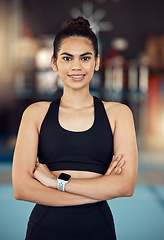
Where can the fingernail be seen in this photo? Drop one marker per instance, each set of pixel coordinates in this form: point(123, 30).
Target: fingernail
point(119, 156)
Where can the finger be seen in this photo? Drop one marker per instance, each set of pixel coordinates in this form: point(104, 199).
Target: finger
point(113, 158)
point(117, 170)
point(114, 171)
point(113, 164)
point(111, 167)
point(119, 157)
point(45, 166)
point(121, 163)
point(37, 164)
point(35, 174)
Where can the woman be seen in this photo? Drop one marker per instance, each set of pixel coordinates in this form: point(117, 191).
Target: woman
point(74, 138)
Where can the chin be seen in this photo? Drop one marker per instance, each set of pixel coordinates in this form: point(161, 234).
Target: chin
point(78, 85)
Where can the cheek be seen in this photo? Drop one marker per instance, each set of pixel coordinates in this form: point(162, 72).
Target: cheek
point(63, 68)
point(90, 68)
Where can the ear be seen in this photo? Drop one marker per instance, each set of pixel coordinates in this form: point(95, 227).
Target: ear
point(97, 65)
point(54, 64)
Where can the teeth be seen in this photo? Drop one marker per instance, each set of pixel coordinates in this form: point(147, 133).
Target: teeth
point(79, 76)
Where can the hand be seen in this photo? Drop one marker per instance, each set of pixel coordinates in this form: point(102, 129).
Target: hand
point(44, 175)
point(116, 165)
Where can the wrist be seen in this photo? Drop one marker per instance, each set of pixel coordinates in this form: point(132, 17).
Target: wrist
point(53, 182)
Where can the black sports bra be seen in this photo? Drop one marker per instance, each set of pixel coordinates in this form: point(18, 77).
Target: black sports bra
point(89, 150)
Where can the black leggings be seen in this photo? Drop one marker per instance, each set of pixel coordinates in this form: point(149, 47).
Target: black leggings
point(92, 221)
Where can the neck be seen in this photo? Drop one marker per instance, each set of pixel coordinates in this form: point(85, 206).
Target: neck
point(76, 99)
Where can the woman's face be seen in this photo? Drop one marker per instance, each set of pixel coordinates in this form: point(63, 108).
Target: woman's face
point(76, 62)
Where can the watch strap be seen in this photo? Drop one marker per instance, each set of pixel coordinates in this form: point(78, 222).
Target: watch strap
point(61, 185)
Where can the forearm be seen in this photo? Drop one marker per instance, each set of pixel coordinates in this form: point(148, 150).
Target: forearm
point(109, 186)
point(102, 188)
point(29, 189)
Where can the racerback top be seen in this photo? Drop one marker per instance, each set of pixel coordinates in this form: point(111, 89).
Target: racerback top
point(89, 150)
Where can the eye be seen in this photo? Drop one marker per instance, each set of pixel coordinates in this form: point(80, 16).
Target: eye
point(67, 59)
point(86, 58)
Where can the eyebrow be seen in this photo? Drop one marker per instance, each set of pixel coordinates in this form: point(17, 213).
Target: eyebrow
point(70, 55)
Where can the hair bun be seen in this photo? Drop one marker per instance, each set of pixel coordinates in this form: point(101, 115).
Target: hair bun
point(80, 21)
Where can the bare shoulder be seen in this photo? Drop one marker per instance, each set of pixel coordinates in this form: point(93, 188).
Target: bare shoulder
point(36, 112)
point(38, 107)
point(117, 109)
point(117, 113)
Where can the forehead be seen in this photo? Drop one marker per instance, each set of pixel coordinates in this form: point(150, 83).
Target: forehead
point(76, 45)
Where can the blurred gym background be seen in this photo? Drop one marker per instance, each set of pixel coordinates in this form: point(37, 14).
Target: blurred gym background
point(131, 44)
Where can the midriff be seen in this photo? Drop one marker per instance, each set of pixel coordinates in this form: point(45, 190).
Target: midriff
point(78, 174)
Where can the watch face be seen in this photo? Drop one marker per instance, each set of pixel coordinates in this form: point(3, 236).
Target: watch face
point(64, 176)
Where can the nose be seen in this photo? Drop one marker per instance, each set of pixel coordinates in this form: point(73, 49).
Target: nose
point(76, 65)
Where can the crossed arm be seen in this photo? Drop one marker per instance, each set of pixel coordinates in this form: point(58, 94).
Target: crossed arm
point(39, 184)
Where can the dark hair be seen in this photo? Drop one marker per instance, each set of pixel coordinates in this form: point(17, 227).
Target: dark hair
point(75, 27)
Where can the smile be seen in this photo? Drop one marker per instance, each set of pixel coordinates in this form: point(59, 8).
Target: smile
point(77, 77)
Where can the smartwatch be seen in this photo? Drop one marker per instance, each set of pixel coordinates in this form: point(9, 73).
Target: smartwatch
point(63, 178)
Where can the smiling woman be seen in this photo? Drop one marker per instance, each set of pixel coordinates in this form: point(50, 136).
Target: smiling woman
point(78, 140)
point(76, 62)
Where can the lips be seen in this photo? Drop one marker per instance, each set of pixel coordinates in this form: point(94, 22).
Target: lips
point(78, 77)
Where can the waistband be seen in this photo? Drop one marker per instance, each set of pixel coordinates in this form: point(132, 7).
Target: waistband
point(74, 207)
point(82, 206)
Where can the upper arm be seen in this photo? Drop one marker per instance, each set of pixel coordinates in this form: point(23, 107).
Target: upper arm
point(26, 148)
point(25, 153)
point(123, 128)
point(125, 141)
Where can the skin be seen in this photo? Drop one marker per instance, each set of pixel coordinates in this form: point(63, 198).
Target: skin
point(33, 181)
